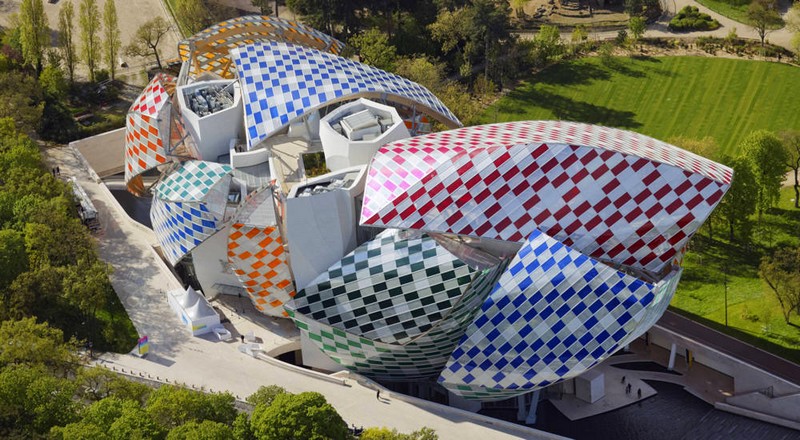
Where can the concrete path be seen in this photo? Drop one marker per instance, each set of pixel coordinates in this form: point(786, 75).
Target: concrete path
point(141, 281)
point(726, 344)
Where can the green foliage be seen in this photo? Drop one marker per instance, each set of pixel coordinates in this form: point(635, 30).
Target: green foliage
point(768, 157)
point(53, 83)
point(78, 431)
point(111, 37)
point(734, 9)
point(192, 14)
point(741, 199)
point(691, 19)
point(241, 428)
point(33, 401)
point(171, 406)
point(34, 34)
point(265, 395)
point(649, 9)
point(13, 259)
point(637, 26)
point(579, 34)
point(790, 139)
point(89, 21)
point(97, 383)
point(547, 46)
point(66, 40)
point(27, 342)
point(384, 433)
point(374, 48)
point(205, 430)
point(304, 416)
point(22, 100)
point(781, 272)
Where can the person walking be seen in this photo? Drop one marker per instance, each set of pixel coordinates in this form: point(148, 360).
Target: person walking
point(639, 392)
point(378, 396)
point(242, 336)
point(623, 379)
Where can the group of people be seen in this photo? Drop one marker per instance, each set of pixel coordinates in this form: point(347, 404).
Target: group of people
point(56, 171)
point(628, 389)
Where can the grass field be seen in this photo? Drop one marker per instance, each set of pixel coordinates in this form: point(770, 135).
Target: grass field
point(736, 13)
point(691, 97)
point(662, 97)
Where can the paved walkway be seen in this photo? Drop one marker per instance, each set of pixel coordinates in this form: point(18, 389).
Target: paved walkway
point(201, 362)
point(737, 349)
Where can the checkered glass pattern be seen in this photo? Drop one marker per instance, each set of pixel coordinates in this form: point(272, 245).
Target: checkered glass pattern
point(388, 290)
point(421, 357)
point(210, 47)
point(281, 82)
point(192, 181)
point(624, 197)
point(553, 314)
point(181, 226)
point(259, 262)
point(147, 128)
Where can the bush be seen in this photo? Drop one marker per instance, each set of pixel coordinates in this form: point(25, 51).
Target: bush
point(691, 19)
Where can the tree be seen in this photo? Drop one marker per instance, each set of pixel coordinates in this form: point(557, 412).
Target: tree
point(649, 9)
point(148, 36)
point(265, 395)
point(637, 26)
point(374, 49)
point(98, 383)
point(192, 14)
point(791, 145)
point(579, 34)
point(301, 416)
point(205, 430)
point(763, 17)
point(172, 406)
point(34, 34)
point(13, 259)
point(547, 45)
point(78, 431)
point(89, 19)
point(264, 6)
point(241, 428)
point(384, 433)
point(112, 42)
point(781, 272)
point(53, 83)
point(26, 342)
point(740, 201)
point(33, 401)
point(769, 160)
point(66, 19)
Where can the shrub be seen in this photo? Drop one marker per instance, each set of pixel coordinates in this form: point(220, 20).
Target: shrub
point(691, 19)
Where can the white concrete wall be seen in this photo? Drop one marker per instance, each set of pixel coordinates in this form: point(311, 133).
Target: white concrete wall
point(213, 132)
point(787, 407)
point(746, 378)
point(341, 152)
point(210, 261)
point(320, 230)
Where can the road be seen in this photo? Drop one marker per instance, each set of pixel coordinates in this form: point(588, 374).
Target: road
point(740, 350)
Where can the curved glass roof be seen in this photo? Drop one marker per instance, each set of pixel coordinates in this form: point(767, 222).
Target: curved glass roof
point(209, 48)
point(281, 82)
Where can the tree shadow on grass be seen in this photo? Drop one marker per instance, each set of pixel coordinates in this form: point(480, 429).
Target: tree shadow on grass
point(572, 73)
point(567, 109)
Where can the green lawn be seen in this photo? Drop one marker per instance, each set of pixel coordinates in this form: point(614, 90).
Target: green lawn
point(662, 97)
point(736, 13)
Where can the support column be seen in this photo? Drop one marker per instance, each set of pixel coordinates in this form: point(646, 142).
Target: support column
point(521, 408)
point(672, 351)
point(531, 419)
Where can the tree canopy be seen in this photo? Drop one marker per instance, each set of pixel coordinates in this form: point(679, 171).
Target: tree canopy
point(768, 157)
point(147, 38)
point(781, 272)
point(306, 416)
